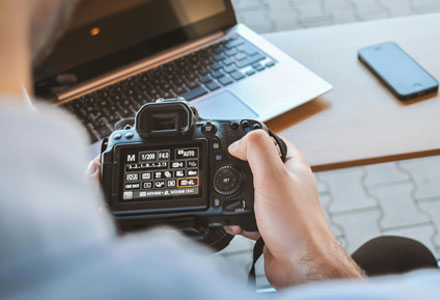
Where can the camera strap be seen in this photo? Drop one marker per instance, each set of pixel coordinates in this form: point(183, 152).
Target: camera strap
point(259, 244)
point(258, 250)
point(281, 145)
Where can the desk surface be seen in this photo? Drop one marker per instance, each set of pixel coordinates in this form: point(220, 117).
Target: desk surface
point(359, 121)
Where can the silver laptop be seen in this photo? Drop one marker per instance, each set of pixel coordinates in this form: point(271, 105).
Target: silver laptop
point(117, 55)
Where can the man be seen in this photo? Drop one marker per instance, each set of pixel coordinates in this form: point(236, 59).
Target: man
point(55, 242)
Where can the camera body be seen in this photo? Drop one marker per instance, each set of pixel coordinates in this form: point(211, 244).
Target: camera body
point(174, 168)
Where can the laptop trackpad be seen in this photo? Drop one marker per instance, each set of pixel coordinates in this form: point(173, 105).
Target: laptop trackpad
point(224, 106)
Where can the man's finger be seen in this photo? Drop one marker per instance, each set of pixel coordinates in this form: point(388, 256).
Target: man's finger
point(94, 167)
point(237, 230)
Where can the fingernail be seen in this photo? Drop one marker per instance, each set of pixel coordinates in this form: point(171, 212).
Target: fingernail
point(232, 147)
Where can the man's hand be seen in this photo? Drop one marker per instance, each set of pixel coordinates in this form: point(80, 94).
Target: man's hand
point(299, 245)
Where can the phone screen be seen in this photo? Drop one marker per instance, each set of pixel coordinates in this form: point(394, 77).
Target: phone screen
point(398, 71)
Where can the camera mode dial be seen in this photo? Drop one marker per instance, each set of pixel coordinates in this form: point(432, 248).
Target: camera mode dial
point(227, 180)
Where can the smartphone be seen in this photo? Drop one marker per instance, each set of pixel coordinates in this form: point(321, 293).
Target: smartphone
point(403, 76)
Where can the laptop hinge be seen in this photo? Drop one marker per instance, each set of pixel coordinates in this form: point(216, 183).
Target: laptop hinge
point(135, 68)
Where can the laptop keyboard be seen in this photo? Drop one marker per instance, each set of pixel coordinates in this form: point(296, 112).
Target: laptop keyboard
point(190, 76)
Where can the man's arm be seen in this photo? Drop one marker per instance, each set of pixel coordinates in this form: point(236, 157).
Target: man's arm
point(300, 246)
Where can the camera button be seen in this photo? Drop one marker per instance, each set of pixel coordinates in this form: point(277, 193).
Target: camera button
point(227, 180)
point(216, 203)
point(218, 157)
point(129, 135)
point(236, 206)
point(245, 123)
point(256, 126)
point(117, 136)
point(234, 125)
point(216, 145)
point(209, 128)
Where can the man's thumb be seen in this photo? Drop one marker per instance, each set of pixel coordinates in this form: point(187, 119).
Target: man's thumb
point(258, 148)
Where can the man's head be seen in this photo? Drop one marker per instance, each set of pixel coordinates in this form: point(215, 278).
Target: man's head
point(48, 19)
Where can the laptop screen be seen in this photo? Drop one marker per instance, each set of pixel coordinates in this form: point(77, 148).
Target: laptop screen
point(104, 35)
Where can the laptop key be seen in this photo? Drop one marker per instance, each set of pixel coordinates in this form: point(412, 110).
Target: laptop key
point(225, 80)
point(228, 61)
point(219, 57)
point(205, 79)
point(240, 56)
point(234, 43)
point(216, 66)
point(217, 74)
point(270, 64)
point(194, 93)
point(250, 72)
point(103, 131)
point(180, 90)
point(237, 75)
point(212, 86)
point(258, 67)
point(231, 52)
point(192, 84)
point(229, 69)
point(250, 60)
point(248, 49)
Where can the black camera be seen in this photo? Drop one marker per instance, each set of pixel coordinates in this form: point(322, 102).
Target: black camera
point(168, 166)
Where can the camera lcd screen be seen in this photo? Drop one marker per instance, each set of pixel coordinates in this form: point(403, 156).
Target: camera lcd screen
point(161, 173)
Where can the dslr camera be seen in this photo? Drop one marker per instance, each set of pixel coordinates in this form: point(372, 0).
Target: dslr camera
point(168, 166)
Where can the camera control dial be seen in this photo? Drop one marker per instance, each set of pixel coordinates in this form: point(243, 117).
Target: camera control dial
point(227, 180)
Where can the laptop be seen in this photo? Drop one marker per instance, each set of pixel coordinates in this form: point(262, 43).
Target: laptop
point(117, 55)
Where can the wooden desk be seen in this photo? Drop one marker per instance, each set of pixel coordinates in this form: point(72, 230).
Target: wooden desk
point(359, 121)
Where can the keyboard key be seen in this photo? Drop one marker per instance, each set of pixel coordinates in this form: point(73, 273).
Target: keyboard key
point(180, 90)
point(270, 64)
point(192, 85)
point(103, 131)
point(234, 43)
point(237, 75)
point(205, 79)
point(219, 49)
point(240, 56)
point(258, 67)
point(228, 61)
point(225, 80)
point(212, 86)
point(250, 72)
point(217, 74)
point(216, 66)
point(249, 50)
point(229, 69)
point(219, 57)
point(231, 52)
point(194, 93)
point(250, 60)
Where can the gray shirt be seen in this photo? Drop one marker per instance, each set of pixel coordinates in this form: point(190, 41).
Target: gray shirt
point(56, 242)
